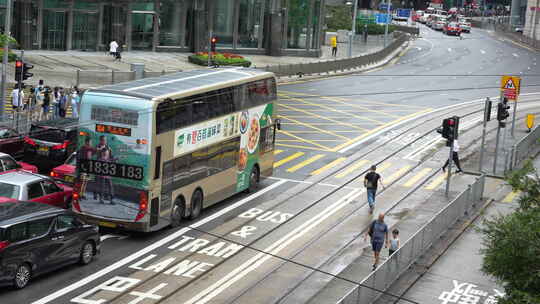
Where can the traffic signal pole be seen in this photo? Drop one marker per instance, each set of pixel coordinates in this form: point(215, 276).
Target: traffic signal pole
point(514, 117)
point(449, 174)
point(487, 115)
point(7, 33)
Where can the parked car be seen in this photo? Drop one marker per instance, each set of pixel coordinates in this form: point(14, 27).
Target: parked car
point(465, 25)
point(37, 238)
point(66, 172)
point(52, 140)
point(9, 164)
point(417, 15)
point(452, 28)
point(439, 24)
point(11, 142)
point(430, 20)
point(25, 186)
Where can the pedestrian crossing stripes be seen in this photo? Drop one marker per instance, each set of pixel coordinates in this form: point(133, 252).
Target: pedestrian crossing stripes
point(352, 168)
point(328, 166)
point(436, 182)
point(511, 196)
point(305, 163)
point(417, 177)
point(398, 174)
point(288, 159)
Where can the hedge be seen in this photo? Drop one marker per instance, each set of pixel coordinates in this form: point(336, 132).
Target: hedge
point(222, 59)
point(11, 56)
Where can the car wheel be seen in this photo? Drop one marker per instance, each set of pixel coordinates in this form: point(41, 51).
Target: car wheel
point(22, 276)
point(196, 204)
point(87, 253)
point(253, 180)
point(177, 212)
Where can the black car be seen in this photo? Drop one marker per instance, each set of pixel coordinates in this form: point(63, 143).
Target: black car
point(52, 140)
point(38, 238)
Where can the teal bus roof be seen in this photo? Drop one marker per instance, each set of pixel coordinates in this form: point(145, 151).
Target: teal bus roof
point(177, 83)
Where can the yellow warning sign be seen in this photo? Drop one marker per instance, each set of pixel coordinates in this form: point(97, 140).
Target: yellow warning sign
point(510, 86)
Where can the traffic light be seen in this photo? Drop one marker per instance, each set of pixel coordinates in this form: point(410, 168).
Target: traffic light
point(450, 128)
point(18, 70)
point(26, 71)
point(213, 41)
point(502, 112)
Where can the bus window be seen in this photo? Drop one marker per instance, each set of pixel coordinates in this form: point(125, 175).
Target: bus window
point(229, 150)
point(183, 115)
point(165, 116)
point(214, 159)
point(226, 99)
point(199, 164)
point(157, 171)
point(200, 109)
point(182, 171)
point(215, 108)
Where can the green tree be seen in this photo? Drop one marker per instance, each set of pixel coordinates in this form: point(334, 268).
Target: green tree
point(512, 242)
point(339, 17)
point(8, 39)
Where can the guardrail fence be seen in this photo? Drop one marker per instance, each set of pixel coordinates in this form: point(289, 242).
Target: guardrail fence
point(105, 77)
point(525, 148)
point(382, 278)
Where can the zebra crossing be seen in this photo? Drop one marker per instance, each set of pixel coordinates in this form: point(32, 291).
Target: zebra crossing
point(290, 162)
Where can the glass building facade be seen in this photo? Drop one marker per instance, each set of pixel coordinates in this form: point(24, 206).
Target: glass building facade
point(274, 27)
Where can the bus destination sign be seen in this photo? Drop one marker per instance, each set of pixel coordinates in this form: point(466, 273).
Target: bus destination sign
point(113, 130)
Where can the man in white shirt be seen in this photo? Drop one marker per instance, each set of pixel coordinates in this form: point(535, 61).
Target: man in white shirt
point(17, 99)
point(113, 48)
point(455, 157)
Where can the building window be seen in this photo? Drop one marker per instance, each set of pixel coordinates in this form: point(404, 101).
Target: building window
point(223, 22)
point(173, 25)
point(298, 11)
point(250, 23)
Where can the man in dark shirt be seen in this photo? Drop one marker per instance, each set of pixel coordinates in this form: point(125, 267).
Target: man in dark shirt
point(378, 232)
point(371, 181)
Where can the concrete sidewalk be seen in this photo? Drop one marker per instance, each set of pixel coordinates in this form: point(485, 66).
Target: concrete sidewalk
point(60, 68)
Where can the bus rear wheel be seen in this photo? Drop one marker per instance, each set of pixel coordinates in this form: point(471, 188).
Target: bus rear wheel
point(177, 212)
point(196, 204)
point(254, 177)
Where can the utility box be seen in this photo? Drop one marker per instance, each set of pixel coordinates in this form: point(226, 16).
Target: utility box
point(138, 68)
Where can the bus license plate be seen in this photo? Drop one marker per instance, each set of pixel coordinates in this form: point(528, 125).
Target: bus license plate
point(69, 178)
point(107, 224)
point(43, 149)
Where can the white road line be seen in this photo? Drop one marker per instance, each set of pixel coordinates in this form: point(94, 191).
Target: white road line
point(449, 49)
point(515, 55)
point(153, 246)
point(238, 273)
point(482, 51)
point(310, 183)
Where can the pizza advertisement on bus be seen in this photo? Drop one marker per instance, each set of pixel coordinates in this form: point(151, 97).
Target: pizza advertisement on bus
point(113, 168)
point(251, 123)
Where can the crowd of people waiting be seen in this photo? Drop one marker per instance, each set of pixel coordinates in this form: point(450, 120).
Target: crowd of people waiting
point(45, 103)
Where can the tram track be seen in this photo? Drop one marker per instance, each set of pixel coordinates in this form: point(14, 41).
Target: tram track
point(307, 187)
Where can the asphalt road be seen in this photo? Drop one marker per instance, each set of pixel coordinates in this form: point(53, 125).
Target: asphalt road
point(325, 122)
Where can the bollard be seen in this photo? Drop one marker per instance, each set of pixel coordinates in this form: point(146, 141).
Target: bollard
point(138, 69)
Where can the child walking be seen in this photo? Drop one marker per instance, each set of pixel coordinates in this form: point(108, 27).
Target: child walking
point(394, 242)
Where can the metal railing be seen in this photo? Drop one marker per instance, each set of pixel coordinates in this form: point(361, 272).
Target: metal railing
point(382, 278)
point(321, 67)
point(84, 78)
point(525, 148)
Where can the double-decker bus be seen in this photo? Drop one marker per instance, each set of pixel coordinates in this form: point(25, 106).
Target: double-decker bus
point(154, 151)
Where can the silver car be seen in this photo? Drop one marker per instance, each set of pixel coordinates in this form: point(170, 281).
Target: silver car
point(465, 25)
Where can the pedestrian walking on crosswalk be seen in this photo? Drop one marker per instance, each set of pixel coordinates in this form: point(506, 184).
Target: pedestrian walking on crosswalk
point(17, 98)
point(75, 100)
point(455, 157)
point(378, 233)
point(371, 182)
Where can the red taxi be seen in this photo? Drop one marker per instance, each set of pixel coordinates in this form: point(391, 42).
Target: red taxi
point(65, 173)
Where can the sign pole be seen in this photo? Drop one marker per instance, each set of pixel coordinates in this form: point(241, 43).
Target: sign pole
point(449, 174)
point(487, 109)
point(514, 116)
point(387, 21)
point(7, 33)
point(353, 30)
point(496, 149)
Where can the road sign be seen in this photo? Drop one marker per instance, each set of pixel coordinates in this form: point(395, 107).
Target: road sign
point(530, 121)
point(510, 87)
point(404, 12)
point(384, 7)
point(382, 18)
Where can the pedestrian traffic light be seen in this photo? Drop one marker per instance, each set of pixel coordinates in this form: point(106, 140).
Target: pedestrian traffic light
point(502, 112)
point(450, 129)
point(25, 72)
point(18, 70)
point(213, 41)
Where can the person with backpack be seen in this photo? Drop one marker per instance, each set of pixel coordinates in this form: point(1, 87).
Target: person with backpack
point(63, 103)
point(371, 182)
point(378, 233)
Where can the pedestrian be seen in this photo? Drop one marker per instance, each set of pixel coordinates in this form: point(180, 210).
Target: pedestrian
point(394, 242)
point(63, 104)
point(333, 43)
point(365, 33)
point(378, 232)
point(118, 54)
point(56, 102)
point(35, 108)
point(455, 157)
point(46, 104)
point(371, 182)
point(17, 98)
point(75, 101)
point(113, 47)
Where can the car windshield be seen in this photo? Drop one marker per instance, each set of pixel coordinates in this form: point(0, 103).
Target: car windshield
point(452, 25)
point(9, 190)
point(46, 134)
point(72, 160)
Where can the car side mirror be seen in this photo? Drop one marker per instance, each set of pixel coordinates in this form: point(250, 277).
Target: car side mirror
point(278, 124)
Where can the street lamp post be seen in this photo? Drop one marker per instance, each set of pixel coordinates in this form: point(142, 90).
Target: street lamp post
point(7, 33)
point(387, 21)
point(353, 31)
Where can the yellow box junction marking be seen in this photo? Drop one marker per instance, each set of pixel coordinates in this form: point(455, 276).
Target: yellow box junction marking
point(436, 182)
point(417, 177)
point(311, 142)
point(328, 166)
point(352, 168)
point(288, 159)
point(397, 174)
point(305, 163)
point(510, 196)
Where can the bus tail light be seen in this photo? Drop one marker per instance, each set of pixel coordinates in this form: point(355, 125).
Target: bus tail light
point(143, 205)
point(61, 146)
point(3, 245)
point(29, 141)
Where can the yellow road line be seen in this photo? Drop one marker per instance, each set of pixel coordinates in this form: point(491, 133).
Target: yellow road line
point(352, 168)
point(377, 130)
point(305, 140)
point(383, 167)
point(301, 147)
point(328, 124)
point(343, 101)
point(311, 126)
point(332, 109)
point(436, 182)
point(276, 152)
point(510, 197)
point(288, 159)
point(328, 166)
point(397, 174)
point(305, 163)
point(417, 177)
point(316, 140)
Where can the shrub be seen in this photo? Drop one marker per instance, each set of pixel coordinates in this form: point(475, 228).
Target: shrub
point(11, 56)
point(375, 29)
point(222, 59)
